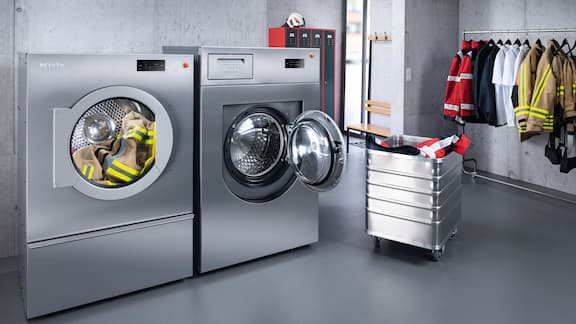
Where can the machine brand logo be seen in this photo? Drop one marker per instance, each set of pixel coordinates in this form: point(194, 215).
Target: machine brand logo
point(51, 66)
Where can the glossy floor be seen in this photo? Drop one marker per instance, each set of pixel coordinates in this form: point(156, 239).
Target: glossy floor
point(513, 261)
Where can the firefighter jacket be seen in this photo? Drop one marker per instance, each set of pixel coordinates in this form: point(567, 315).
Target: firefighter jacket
point(567, 89)
point(122, 160)
point(526, 84)
point(459, 99)
point(452, 98)
point(544, 98)
point(466, 97)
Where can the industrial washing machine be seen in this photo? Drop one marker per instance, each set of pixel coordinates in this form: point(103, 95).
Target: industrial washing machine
point(104, 176)
point(263, 151)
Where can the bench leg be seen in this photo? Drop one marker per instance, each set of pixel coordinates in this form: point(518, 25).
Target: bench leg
point(347, 140)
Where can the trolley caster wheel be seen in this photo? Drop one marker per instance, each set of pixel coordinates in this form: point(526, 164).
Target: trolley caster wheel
point(376, 242)
point(454, 232)
point(437, 254)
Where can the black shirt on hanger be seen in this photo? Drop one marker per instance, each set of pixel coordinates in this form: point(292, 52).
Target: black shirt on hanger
point(486, 104)
point(478, 70)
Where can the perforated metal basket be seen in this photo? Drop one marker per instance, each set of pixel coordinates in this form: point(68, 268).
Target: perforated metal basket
point(116, 109)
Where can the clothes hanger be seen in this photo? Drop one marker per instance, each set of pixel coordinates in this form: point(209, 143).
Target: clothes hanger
point(508, 42)
point(517, 42)
point(571, 49)
point(539, 42)
point(527, 42)
point(499, 42)
point(564, 43)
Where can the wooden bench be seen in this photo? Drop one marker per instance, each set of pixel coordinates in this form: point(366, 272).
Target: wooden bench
point(376, 107)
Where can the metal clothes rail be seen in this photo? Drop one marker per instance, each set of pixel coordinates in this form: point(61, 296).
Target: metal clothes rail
point(519, 31)
point(474, 173)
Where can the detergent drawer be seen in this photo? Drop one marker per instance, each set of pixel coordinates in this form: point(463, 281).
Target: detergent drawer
point(83, 268)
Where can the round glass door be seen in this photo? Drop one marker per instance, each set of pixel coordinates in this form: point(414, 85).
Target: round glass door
point(255, 146)
point(315, 150)
point(113, 142)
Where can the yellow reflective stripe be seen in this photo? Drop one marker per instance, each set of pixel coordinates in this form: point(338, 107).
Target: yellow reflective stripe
point(136, 132)
point(520, 82)
point(140, 129)
point(108, 182)
point(523, 76)
point(542, 85)
point(90, 172)
point(133, 135)
point(154, 142)
point(540, 110)
point(118, 175)
point(124, 167)
point(149, 141)
point(536, 114)
point(146, 164)
point(521, 108)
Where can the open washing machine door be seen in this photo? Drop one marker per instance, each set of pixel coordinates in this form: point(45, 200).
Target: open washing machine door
point(98, 122)
point(316, 150)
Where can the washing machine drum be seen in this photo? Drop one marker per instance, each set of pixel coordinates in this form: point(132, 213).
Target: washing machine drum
point(256, 145)
point(113, 142)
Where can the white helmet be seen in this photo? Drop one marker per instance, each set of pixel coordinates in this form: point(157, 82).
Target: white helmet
point(295, 20)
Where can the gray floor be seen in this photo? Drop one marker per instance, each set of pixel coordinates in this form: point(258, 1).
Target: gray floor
point(513, 261)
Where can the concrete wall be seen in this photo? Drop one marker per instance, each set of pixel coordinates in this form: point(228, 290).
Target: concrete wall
point(7, 149)
point(498, 150)
point(410, 71)
point(431, 39)
point(107, 26)
point(317, 13)
point(388, 16)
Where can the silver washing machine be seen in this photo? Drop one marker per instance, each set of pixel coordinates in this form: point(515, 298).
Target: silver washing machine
point(104, 176)
point(263, 152)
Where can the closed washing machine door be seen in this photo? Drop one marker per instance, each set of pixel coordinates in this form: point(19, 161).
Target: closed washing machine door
point(112, 144)
point(315, 150)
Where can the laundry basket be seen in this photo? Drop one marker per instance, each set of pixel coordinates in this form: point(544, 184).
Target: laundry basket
point(413, 199)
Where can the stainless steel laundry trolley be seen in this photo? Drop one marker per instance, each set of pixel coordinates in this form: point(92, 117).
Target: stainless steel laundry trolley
point(413, 199)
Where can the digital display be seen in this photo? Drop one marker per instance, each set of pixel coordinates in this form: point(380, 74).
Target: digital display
point(294, 63)
point(151, 65)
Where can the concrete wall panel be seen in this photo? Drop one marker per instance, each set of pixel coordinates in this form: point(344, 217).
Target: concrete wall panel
point(498, 150)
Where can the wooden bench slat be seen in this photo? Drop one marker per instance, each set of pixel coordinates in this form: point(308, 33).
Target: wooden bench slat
point(371, 102)
point(370, 128)
point(381, 111)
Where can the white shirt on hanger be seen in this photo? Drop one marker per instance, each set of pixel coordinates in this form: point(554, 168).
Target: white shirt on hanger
point(508, 84)
point(499, 85)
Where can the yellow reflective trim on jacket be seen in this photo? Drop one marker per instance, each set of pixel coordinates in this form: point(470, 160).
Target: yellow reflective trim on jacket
point(135, 135)
point(540, 110)
point(118, 175)
point(541, 85)
point(526, 99)
point(537, 114)
point(88, 171)
point(110, 183)
point(154, 141)
point(125, 168)
point(521, 108)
